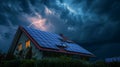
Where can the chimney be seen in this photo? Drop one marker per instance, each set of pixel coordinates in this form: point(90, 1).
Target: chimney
point(63, 37)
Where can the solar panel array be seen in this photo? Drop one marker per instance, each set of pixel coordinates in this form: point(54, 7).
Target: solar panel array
point(113, 59)
point(51, 40)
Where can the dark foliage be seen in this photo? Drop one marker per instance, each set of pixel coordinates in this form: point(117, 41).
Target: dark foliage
point(10, 63)
point(56, 62)
point(2, 56)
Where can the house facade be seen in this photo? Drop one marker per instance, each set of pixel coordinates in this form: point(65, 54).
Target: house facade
point(31, 43)
point(23, 47)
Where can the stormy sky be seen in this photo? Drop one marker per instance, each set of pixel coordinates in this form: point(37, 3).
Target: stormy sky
point(94, 24)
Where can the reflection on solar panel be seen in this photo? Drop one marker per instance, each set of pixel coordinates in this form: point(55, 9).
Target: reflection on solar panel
point(51, 40)
point(114, 59)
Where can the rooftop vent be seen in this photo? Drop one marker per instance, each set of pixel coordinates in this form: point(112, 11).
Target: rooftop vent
point(62, 45)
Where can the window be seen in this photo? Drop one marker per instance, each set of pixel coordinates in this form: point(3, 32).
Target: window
point(27, 43)
point(20, 47)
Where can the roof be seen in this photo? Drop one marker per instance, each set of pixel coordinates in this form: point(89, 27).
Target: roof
point(48, 41)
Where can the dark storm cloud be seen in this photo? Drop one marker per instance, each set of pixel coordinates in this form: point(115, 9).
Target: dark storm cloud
point(94, 23)
point(95, 19)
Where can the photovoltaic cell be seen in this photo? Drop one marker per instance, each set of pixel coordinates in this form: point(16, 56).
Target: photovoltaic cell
point(113, 59)
point(76, 48)
point(51, 40)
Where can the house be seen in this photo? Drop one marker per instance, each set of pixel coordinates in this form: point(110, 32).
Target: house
point(32, 43)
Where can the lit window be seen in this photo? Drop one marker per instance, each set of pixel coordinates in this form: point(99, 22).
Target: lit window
point(27, 43)
point(20, 47)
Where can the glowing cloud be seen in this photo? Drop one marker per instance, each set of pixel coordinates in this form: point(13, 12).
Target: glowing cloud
point(41, 23)
point(38, 23)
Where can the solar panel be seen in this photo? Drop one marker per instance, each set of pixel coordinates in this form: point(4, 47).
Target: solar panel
point(51, 40)
point(76, 48)
point(108, 60)
point(113, 59)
